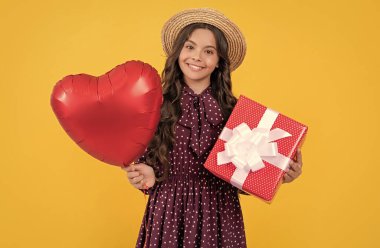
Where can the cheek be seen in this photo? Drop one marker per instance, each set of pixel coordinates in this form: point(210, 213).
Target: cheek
point(213, 61)
point(182, 54)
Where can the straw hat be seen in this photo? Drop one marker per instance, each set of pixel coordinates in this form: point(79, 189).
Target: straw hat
point(236, 42)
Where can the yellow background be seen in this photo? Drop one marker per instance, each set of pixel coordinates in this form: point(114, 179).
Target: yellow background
point(315, 61)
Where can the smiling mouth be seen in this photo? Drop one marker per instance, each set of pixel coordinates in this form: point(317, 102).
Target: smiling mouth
point(194, 67)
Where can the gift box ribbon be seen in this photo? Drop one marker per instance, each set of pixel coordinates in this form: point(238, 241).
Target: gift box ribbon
point(247, 149)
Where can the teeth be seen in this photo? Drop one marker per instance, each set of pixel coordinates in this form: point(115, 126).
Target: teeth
point(196, 68)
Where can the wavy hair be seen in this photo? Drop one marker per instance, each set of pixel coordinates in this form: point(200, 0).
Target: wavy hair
point(172, 83)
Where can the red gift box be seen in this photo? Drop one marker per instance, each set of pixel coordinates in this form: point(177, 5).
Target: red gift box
point(255, 148)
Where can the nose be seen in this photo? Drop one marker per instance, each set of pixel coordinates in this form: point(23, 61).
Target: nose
point(196, 55)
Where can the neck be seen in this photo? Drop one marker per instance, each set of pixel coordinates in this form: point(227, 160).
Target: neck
point(198, 87)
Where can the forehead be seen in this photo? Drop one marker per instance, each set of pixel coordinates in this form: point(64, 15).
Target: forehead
point(203, 37)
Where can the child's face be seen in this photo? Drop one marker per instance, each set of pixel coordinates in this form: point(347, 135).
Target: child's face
point(198, 57)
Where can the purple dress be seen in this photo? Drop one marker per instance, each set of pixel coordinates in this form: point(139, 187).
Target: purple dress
point(193, 208)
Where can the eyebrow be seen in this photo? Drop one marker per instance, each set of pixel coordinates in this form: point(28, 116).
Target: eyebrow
point(196, 44)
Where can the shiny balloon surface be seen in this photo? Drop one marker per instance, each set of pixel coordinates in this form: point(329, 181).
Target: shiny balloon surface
point(114, 116)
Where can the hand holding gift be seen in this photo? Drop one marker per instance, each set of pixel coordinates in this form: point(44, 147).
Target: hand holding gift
point(295, 169)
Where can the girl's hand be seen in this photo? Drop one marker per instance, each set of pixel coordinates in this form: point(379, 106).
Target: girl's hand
point(295, 169)
point(141, 176)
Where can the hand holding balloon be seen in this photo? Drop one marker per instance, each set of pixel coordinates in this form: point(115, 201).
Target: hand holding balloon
point(141, 176)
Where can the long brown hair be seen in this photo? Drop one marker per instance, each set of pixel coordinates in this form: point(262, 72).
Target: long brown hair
point(172, 83)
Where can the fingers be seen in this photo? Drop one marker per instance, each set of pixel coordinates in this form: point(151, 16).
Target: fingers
point(136, 175)
point(287, 179)
point(290, 175)
point(299, 157)
point(295, 166)
point(139, 185)
point(137, 182)
point(294, 171)
point(137, 179)
point(133, 174)
point(293, 174)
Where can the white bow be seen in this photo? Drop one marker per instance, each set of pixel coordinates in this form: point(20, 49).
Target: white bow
point(247, 149)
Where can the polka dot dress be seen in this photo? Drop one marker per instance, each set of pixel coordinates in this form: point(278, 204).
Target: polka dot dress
point(193, 208)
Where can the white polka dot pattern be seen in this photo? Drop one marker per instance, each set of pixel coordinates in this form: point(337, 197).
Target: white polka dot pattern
point(193, 208)
point(198, 112)
point(265, 182)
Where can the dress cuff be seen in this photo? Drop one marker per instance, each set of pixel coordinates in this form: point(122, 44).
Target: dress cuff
point(149, 191)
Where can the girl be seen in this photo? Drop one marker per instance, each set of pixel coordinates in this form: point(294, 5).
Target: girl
point(188, 206)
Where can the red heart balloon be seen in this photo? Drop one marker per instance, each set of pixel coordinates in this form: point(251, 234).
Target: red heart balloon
point(114, 116)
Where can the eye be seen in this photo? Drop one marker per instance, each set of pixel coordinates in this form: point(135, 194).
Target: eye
point(210, 52)
point(189, 46)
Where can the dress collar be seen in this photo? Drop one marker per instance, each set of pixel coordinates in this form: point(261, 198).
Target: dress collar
point(199, 113)
point(190, 91)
